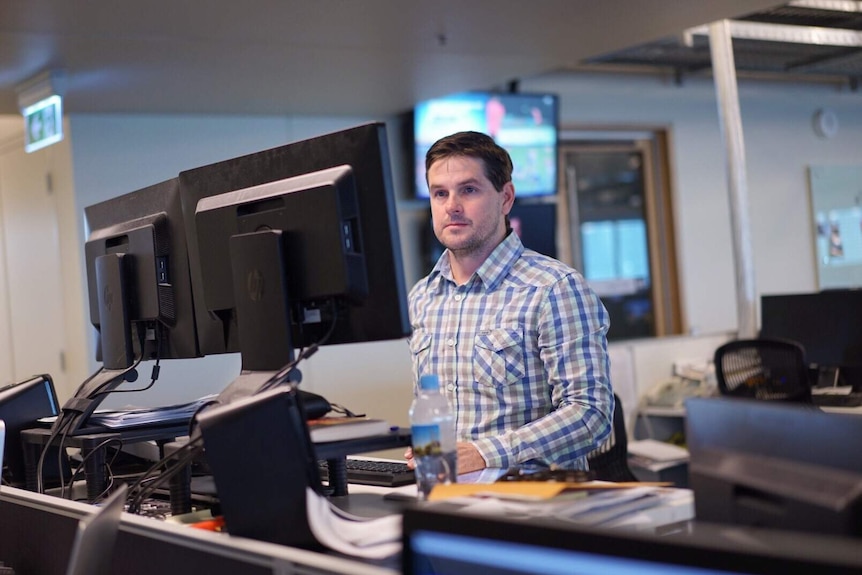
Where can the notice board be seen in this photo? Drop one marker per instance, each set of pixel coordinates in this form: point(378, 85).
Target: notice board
point(836, 205)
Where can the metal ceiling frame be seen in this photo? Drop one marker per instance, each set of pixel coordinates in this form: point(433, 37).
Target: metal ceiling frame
point(786, 33)
point(804, 40)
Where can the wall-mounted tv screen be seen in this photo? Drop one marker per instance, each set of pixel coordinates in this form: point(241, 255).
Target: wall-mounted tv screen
point(525, 124)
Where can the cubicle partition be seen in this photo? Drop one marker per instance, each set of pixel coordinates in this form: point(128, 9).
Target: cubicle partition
point(37, 531)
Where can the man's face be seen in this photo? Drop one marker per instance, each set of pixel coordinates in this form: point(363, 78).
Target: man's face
point(468, 213)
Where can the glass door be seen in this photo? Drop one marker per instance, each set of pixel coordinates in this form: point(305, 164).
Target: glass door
point(617, 235)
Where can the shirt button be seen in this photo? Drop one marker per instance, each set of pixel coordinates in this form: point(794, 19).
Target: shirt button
point(450, 342)
point(451, 387)
point(458, 297)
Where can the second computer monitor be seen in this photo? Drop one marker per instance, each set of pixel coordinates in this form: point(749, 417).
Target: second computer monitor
point(828, 324)
point(377, 311)
point(282, 262)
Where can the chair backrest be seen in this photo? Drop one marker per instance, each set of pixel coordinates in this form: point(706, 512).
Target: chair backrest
point(610, 461)
point(769, 369)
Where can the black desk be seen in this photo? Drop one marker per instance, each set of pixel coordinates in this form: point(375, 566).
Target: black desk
point(92, 447)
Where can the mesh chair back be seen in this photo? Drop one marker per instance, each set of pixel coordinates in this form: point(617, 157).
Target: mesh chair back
point(769, 369)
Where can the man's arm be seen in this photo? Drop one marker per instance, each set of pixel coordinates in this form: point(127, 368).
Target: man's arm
point(572, 343)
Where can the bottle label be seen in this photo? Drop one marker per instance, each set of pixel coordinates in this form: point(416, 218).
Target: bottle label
point(426, 440)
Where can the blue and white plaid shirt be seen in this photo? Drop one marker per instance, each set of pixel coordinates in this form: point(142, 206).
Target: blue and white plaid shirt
point(521, 352)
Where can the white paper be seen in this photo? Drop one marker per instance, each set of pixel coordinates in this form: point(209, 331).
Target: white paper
point(367, 538)
point(657, 450)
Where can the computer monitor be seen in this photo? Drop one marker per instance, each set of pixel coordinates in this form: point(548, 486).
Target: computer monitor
point(139, 288)
point(22, 404)
point(828, 324)
point(332, 198)
point(281, 262)
point(445, 541)
point(773, 464)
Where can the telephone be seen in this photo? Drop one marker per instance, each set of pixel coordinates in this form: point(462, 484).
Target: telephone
point(691, 383)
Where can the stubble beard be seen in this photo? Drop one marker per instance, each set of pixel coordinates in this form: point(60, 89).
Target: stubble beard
point(475, 243)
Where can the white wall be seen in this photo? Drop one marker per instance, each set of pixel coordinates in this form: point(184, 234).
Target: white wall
point(780, 144)
point(40, 315)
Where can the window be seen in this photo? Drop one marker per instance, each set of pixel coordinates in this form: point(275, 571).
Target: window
point(619, 224)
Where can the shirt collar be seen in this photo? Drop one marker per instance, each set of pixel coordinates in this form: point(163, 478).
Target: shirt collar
point(498, 265)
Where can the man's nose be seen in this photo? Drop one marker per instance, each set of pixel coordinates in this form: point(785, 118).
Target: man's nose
point(453, 204)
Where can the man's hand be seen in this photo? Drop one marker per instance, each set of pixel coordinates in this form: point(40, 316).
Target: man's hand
point(469, 458)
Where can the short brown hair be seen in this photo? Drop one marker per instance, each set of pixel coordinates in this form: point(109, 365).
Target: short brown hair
point(495, 159)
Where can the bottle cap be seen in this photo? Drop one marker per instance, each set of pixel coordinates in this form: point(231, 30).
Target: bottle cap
point(429, 382)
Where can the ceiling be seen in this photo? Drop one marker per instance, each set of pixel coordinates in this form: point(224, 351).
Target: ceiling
point(805, 40)
point(314, 57)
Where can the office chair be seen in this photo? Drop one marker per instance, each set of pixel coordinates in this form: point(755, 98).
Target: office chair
point(768, 369)
point(610, 461)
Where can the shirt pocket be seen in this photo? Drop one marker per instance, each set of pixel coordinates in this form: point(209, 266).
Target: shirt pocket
point(498, 358)
point(420, 346)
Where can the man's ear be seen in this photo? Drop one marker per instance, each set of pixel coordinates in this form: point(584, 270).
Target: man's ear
point(508, 192)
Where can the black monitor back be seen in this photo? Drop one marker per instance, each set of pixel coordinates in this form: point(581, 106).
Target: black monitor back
point(383, 314)
point(262, 460)
point(769, 464)
point(21, 405)
point(148, 227)
point(828, 324)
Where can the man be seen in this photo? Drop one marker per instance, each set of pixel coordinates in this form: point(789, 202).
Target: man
point(517, 339)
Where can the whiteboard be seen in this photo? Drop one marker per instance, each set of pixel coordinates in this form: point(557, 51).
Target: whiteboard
point(836, 206)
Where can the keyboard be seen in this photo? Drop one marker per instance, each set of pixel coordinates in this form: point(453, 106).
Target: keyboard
point(373, 472)
point(853, 399)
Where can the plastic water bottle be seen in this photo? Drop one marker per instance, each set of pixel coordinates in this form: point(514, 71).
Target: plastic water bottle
point(432, 426)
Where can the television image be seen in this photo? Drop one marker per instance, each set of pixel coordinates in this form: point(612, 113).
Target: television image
point(525, 124)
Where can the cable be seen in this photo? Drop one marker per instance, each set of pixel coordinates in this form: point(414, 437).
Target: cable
point(185, 455)
point(65, 420)
point(59, 426)
point(147, 483)
point(60, 458)
point(133, 367)
point(84, 459)
point(154, 374)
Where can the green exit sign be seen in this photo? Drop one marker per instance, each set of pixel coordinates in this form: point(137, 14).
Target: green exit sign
point(44, 123)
